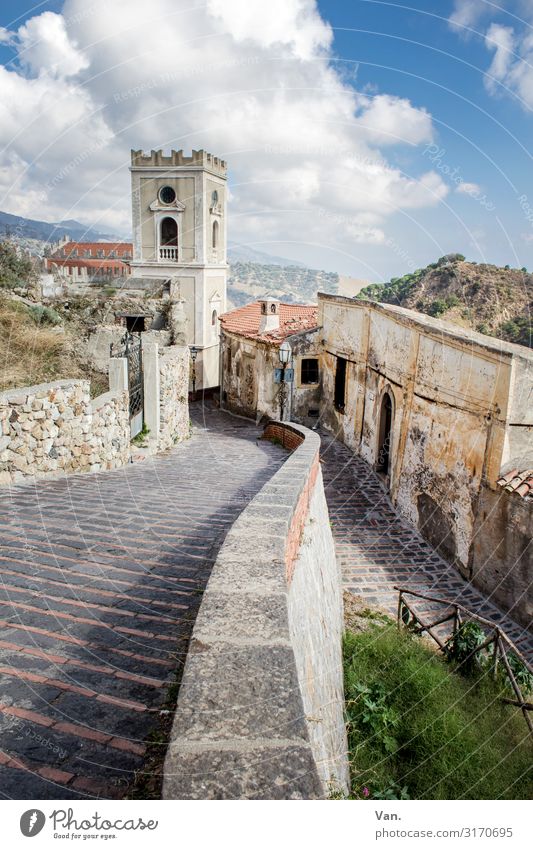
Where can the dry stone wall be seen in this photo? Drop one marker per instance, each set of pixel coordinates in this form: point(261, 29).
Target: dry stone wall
point(55, 427)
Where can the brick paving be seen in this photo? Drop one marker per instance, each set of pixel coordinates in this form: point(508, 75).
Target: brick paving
point(102, 576)
point(377, 549)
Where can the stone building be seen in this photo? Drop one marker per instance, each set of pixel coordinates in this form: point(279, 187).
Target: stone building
point(250, 381)
point(179, 237)
point(80, 262)
point(440, 413)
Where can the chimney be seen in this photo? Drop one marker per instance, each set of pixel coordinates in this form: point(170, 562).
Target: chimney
point(269, 321)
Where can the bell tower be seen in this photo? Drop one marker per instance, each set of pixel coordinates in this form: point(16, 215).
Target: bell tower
point(179, 236)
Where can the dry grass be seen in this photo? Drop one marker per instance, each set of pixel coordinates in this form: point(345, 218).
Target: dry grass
point(32, 352)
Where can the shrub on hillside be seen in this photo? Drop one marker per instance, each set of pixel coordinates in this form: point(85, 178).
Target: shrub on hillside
point(15, 270)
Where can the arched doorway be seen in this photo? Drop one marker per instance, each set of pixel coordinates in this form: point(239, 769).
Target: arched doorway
point(169, 233)
point(385, 436)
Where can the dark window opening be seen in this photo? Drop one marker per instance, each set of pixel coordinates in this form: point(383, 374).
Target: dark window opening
point(215, 234)
point(312, 413)
point(169, 232)
point(214, 318)
point(385, 435)
point(340, 384)
point(309, 372)
point(135, 323)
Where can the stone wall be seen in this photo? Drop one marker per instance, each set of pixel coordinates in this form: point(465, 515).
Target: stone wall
point(502, 554)
point(260, 711)
point(173, 395)
point(55, 427)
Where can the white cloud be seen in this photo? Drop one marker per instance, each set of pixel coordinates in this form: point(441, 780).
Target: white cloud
point(512, 64)
point(500, 39)
point(471, 189)
point(44, 47)
point(295, 24)
point(389, 120)
point(249, 81)
point(467, 13)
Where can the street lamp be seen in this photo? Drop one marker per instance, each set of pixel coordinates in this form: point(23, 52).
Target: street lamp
point(194, 354)
point(285, 354)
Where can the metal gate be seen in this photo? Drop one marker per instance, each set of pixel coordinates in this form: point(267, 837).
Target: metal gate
point(130, 348)
point(133, 352)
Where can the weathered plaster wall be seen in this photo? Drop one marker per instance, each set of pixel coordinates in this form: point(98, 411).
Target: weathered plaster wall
point(265, 656)
point(173, 395)
point(248, 378)
point(457, 398)
point(502, 553)
point(55, 427)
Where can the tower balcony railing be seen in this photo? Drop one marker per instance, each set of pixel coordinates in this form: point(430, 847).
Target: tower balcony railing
point(169, 253)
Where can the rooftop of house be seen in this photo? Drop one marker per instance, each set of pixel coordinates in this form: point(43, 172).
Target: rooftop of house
point(518, 481)
point(84, 250)
point(439, 325)
point(83, 261)
point(293, 318)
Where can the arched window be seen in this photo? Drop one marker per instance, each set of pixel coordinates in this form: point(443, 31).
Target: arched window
point(214, 318)
point(385, 435)
point(169, 232)
point(215, 234)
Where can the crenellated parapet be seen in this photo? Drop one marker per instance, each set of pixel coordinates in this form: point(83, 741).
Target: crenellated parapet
point(177, 159)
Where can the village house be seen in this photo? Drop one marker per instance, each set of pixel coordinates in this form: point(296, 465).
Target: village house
point(269, 362)
point(445, 417)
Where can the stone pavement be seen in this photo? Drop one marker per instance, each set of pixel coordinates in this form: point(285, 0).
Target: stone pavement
point(102, 576)
point(377, 549)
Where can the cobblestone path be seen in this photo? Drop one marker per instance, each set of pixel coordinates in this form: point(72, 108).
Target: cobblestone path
point(377, 549)
point(101, 578)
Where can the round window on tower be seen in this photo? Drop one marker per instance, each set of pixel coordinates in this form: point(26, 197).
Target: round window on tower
point(167, 194)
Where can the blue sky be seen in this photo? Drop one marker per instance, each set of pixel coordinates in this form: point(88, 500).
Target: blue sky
point(365, 137)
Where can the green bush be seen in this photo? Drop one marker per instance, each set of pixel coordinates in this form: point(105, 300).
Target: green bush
point(437, 307)
point(44, 315)
point(453, 736)
point(15, 270)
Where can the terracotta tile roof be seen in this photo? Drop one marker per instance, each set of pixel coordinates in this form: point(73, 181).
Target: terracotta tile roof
point(519, 482)
point(85, 262)
point(72, 250)
point(293, 318)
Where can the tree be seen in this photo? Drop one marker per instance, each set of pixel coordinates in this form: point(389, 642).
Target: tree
point(15, 270)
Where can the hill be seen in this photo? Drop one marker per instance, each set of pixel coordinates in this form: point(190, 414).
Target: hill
point(492, 300)
point(18, 229)
point(292, 284)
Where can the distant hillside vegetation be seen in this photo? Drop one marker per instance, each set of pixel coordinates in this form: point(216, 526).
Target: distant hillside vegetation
point(292, 284)
point(492, 300)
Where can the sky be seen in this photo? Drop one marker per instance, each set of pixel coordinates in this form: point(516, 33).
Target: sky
point(364, 137)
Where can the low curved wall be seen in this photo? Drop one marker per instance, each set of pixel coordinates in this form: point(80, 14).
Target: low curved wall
point(260, 712)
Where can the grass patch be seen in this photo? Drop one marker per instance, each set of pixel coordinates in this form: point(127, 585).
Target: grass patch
point(419, 730)
point(36, 347)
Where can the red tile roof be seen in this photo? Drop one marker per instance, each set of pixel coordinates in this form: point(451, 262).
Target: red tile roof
point(519, 482)
point(293, 318)
point(72, 250)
